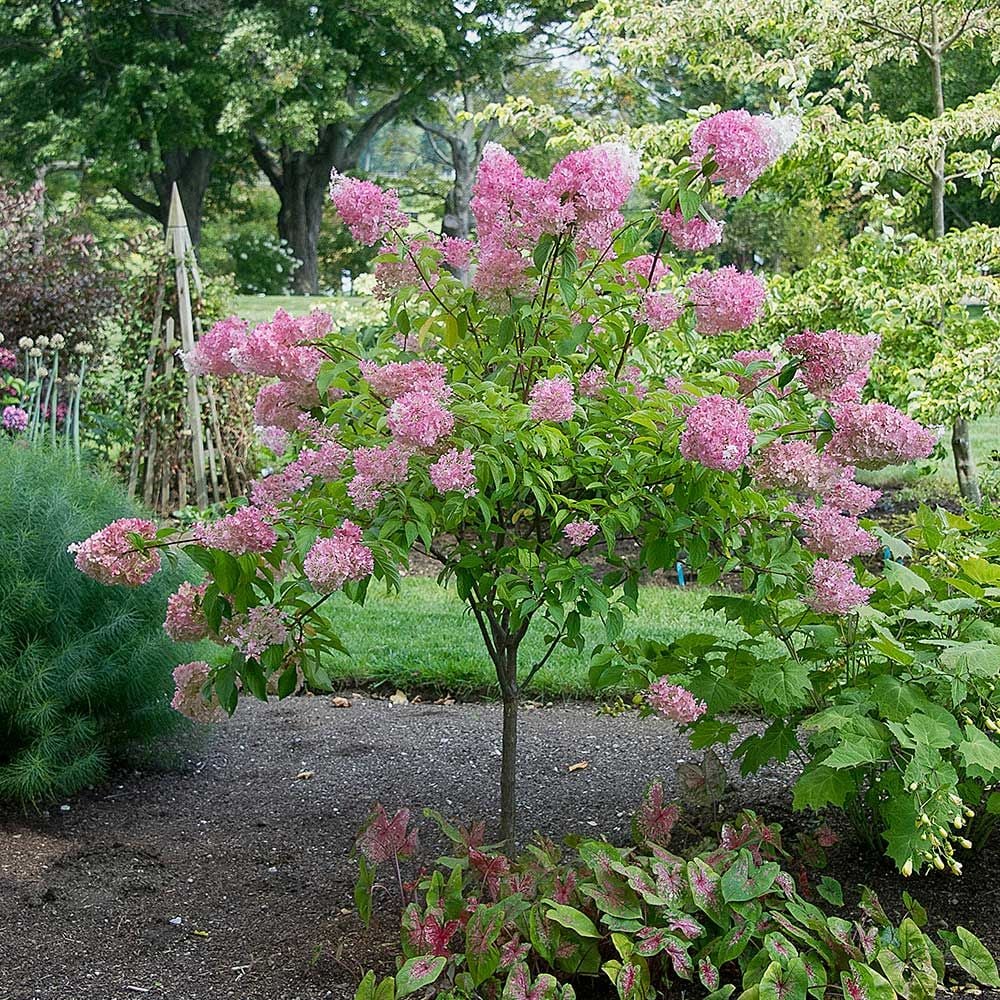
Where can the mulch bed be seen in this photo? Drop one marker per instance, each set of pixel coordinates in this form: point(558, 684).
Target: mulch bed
point(232, 878)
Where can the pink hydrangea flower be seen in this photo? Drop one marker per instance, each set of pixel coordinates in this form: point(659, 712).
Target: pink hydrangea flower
point(454, 471)
point(277, 488)
point(834, 364)
point(185, 620)
point(691, 234)
point(849, 496)
point(331, 562)
point(645, 271)
point(281, 404)
point(659, 310)
point(717, 433)
point(455, 253)
point(418, 419)
point(832, 534)
point(674, 702)
point(593, 382)
point(110, 555)
point(376, 467)
point(278, 348)
point(742, 146)
point(403, 271)
point(873, 435)
point(398, 378)
point(367, 211)
point(8, 360)
point(245, 530)
point(726, 299)
point(189, 682)
point(748, 383)
point(323, 462)
point(14, 419)
point(835, 589)
point(257, 630)
point(579, 532)
point(500, 271)
point(552, 399)
point(632, 377)
point(794, 465)
point(212, 353)
point(275, 439)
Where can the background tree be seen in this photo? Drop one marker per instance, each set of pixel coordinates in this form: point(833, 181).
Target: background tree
point(913, 164)
point(135, 88)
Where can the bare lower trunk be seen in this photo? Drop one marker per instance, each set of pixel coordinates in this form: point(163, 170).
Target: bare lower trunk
point(965, 464)
point(304, 183)
point(508, 776)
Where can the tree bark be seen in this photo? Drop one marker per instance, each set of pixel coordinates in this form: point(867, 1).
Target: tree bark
point(961, 440)
point(304, 184)
point(191, 171)
point(508, 750)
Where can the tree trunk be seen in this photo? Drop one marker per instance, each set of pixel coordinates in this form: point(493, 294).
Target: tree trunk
point(965, 465)
point(961, 442)
point(304, 180)
point(190, 170)
point(507, 673)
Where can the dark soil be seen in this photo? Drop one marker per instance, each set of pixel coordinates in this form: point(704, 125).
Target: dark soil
point(232, 878)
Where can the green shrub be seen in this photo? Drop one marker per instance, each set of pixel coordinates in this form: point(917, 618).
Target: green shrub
point(85, 670)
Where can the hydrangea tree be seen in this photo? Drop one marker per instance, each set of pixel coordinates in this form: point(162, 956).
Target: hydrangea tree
point(515, 428)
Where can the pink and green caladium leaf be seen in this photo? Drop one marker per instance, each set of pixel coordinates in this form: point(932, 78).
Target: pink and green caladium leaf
point(784, 981)
point(655, 818)
point(736, 939)
point(417, 973)
point(571, 918)
point(744, 880)
point(482, 955)
point(908, 964)
point(704, 884)
point(520, 987)
point(864, 983)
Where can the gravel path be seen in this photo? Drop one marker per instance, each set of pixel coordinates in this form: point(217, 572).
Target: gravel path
point(231, 878)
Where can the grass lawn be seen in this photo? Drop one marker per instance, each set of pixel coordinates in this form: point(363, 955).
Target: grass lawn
point(423, 639)
point(347, 310)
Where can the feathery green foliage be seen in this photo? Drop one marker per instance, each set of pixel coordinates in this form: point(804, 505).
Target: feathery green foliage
point(85, 670)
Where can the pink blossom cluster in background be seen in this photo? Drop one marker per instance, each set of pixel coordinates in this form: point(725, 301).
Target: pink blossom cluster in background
point(717, 433)
point(552, 399)
point(111, 556)
point(245, 530)
point(593, 382)
point(835, 589)
point(691, 234)
point(834, 364)
point(454, 472)
point(189, 682)
point(14, 419)
point(873, 435)
point(725, 300)
point(257, 630)
point(674, 702)
point(331, 562)
point(375, 467)
point(185, 620)
point(659, 310)
point(579, 532)
point(397, 378)
point(794, 465)
point(8, 359)
point(367, 210)
point(742, 146)
point(828, 532)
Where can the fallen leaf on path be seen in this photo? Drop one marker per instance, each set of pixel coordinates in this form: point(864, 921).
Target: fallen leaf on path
point(399, 698)
point(339, 702)
point(582, 765)
point(305, 775)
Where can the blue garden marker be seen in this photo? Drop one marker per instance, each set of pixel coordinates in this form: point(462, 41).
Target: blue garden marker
point(680, 574)
point(887, 554)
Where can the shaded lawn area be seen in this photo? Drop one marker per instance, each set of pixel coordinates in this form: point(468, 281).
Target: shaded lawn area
point(424, 639)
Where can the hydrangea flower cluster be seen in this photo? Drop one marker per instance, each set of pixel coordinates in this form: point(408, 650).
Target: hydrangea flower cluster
point(14, 419)
point(245, 530)
point(873, 435)
point(835, 589)
point(8, 360)
point(834, 364)
point(691, 234)
point(659, 309)
point(751, 382)
point(717, 433)
point(454, 472)
point(796, 466)
point(725, 300)
point(111, 556)
point(368, 211)
point(674, 702)
point(331, 562)
point(257, 630)
point(418, 419)
point(375, 467)
point(832, 534)
point(399, 378)
point(185, 620)
point(579, 532)
point(213, 354)
point(552, 399)
point(189, 684)
point(742, 146)
point(593, 382)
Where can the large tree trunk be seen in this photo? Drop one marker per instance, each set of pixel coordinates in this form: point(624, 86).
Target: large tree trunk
point(303, 191)
point(961, 441)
